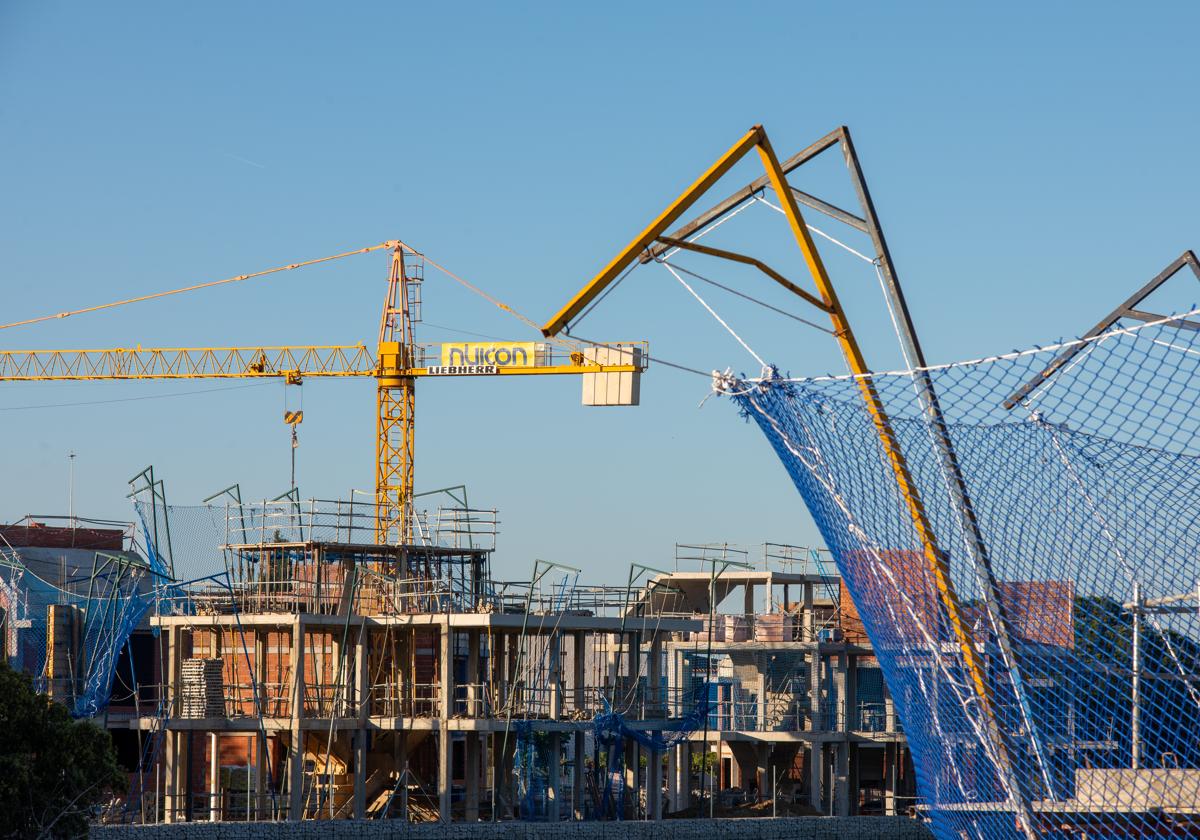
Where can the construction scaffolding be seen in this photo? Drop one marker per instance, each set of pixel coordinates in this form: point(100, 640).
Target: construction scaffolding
point(368, 680)
point(302, 675)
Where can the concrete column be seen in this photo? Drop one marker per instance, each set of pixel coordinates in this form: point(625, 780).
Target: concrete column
point(472, 773)
point(654, 677)
point(761, 711)
point(765, 782)
point(612, 665)
point(510, 749)
point(361, 693)
point(498, 664)
point(360, 773)
point(296, 767)
point(446, 672)
point(402, 693)
point(176, 655)
point(482, 771)
point(841, 781)
point(634, 667)
point(185, 783)
point(814, 722)
point(748, 604)
point(555, 676)
point(577, 782)
point(852, 763)
point(444, 780)
point(445, 711)
point(632, 797)
point(362, 679)
point(554, 778)
point(673, 778)
point(170, 766)
point(514, 652)
point(260, 743)
point(261, 799)
point(501, 800)
point(671, 701)
point(579, 688)
point(891, 773)
point(402, 767)
point(214, 777)
point(654, 784)
point(400, 761)
point(808, 617)
point(852, 717)
point(495, 769)
point(842, 709)
point(171, 761)
point(474, 709)
point(341, 673)
point(816, 770)
point(683, 776)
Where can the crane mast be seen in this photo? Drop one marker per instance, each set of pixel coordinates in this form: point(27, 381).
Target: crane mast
point(396, 404)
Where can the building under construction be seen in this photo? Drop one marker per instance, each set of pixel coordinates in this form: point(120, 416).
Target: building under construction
point(1011, 528)
point(314, 674)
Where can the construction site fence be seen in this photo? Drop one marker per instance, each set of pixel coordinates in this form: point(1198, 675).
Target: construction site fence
point(229, 806)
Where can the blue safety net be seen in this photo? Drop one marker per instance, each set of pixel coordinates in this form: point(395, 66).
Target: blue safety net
point(97, 600)
point(533, 758)
point(1037, 623)
point(612, 733)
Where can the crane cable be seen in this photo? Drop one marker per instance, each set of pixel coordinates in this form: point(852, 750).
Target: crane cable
point(195, 287)
point(499, 304)
point(241, 277)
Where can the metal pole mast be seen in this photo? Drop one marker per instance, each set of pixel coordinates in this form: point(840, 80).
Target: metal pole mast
point(960, 499)
point(1135, 719)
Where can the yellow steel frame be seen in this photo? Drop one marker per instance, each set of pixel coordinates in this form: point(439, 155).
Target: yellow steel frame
point(935, 559)
point(395, 427)
point(294, 362)
point(643, 241)
point(396, 404)
point(185, 363)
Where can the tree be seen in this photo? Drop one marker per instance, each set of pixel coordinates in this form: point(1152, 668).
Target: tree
point(54, 770)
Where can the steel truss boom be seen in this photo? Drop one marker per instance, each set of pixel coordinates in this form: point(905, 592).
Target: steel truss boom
point(185, 363)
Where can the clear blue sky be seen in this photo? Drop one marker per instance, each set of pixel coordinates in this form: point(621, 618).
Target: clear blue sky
point(1032, 163)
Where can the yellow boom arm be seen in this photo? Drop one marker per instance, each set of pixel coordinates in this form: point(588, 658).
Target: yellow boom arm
point(293, 363)
point(185, 363)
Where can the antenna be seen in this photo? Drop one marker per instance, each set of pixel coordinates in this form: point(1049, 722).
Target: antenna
point(71, 486)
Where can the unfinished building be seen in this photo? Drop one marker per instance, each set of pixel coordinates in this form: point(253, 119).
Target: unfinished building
point(298, 670)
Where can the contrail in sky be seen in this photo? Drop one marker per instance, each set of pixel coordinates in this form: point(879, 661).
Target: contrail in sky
point(245, 160)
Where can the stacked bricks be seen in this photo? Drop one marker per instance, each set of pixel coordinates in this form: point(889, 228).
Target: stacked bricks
point(202, 688)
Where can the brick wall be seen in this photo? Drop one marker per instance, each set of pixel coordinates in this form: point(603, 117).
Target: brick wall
point(810, 828)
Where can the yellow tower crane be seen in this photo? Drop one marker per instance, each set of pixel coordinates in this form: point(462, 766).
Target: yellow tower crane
point(610, 371)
